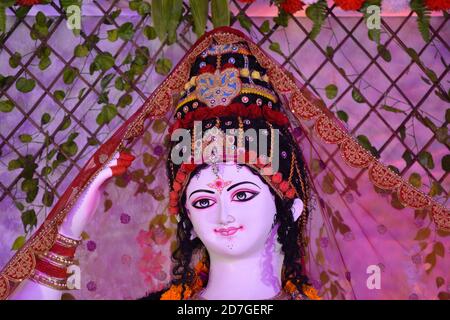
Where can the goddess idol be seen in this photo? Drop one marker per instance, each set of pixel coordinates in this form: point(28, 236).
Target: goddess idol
point(268, 197)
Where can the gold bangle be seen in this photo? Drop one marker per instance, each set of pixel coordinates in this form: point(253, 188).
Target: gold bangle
point(51, 282)
point(56, 259)
point(66, 241)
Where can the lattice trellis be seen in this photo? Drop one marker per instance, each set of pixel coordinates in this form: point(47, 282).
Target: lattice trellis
point(399, 106)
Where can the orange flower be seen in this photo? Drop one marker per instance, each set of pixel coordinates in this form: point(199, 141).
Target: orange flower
point(292, 6)
point(438, 5)
point(349, 4)
point(290, 287)
point(28, 2)
point(311, 292)
point(174, 293)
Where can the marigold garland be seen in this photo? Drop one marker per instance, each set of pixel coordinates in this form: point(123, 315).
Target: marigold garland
point(28, 2)
point(349, 4)
point(174, 292)
point(292, 6)
point(438, 5)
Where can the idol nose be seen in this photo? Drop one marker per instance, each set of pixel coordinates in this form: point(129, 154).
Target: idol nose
point(225, 217)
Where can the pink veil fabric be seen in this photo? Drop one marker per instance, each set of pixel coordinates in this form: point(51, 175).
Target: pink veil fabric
point(365, 221)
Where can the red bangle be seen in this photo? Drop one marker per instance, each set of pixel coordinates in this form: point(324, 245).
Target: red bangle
point(50, 270)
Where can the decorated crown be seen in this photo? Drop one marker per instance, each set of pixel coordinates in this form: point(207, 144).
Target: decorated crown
point(229, 94)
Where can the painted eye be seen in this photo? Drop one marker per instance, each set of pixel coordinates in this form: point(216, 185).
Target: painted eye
point(243, 196)
point(203, 203)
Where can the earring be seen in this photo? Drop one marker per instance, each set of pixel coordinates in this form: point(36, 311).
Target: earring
point(193, 235)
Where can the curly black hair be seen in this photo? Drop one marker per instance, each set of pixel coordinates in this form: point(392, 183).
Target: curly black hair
point(290, 236)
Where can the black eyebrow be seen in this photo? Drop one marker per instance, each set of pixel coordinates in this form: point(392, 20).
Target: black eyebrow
point(239, 183)
point(201, 190)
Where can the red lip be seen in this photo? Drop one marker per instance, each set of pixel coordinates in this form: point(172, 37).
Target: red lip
point(227, 231)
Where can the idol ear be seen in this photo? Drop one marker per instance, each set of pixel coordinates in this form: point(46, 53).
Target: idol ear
point(297, 208)
point(193, 234)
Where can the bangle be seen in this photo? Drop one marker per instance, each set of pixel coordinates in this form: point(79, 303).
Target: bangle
point(52, 282)
point(51, 266)
point(66, 241)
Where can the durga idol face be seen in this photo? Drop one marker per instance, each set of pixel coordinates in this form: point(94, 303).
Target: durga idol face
point(232, 212)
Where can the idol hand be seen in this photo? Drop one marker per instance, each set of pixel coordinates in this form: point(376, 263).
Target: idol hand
point(83, 210)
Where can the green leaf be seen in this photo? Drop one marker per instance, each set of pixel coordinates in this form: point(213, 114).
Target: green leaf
point(384, 53)
point(81, 51)
point(20, 241)
point(113, 35)
point(44, 63)
point(70, 148)
point(144, 8)
point(29, 219)
point(6, 106)
point(408, 157)
point(330, 52)
point(47, 198)
point(59, 95)
point(158, 19)
point(150, 33)
point(25, 85)
point(392, 109)
point(316, 13)
point(265, 26)
point(245, 22)
point(124, 100)
point(331, 91)
point(413, 54)
point(342, 115)
point(2, 19)
point(104, 61)
point(106, 80)
point(199, 10)
point(445, 162)
point(15, 59)
point(41, 19)
point(159, 126)
point(65, 123)
point(415, 179)
point(431, 74)
point(374, 35)
point(14, 164)
point(126, 31)
point(275, 46)
point(69, 75)
point(220, 13)
point(282, 19)
point(426, 159)
point(108, 113)
point(46, 171)
point(134, 4)
point(173, 10)
point(357, 96)
point(163, 66)
point(25, 138)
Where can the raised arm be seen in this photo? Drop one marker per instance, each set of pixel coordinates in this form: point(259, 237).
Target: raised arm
point(49, 279)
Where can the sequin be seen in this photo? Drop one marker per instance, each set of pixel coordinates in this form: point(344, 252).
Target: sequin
point(231, 60)
point(202, 64)
point(258, 101)
point(185, 109)
point(195, 104)
point(244, 99)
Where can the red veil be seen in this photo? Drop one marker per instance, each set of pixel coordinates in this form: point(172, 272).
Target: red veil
point(366, 222)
